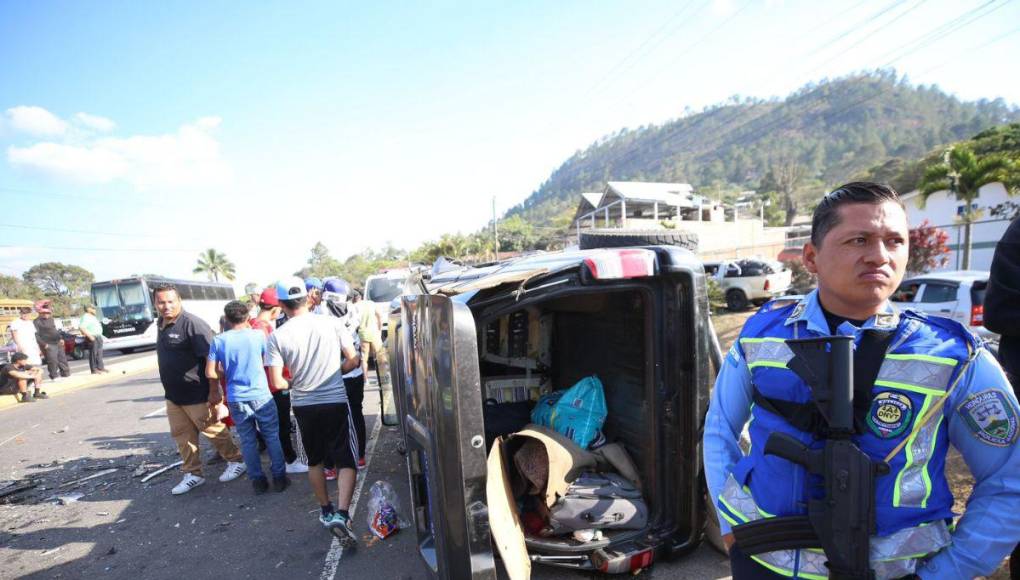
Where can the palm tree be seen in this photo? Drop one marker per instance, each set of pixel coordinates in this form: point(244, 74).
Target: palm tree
point(214, 264)
point(963, 173)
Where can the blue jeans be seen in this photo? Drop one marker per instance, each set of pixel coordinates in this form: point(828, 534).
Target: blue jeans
point(248, 414)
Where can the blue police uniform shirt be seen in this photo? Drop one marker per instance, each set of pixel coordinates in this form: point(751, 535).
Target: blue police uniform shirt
point(990, 527)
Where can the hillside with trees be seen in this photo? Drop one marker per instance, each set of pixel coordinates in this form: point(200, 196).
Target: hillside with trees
point(815, 138)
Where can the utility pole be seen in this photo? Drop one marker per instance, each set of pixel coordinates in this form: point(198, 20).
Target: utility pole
point(495, 229)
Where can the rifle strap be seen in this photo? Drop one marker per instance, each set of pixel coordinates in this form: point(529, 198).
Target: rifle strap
point(806, 417)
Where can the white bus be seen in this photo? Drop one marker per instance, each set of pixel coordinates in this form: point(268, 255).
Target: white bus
point(129, 317)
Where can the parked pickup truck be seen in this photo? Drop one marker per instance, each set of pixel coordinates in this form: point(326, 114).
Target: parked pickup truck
point(749, 281)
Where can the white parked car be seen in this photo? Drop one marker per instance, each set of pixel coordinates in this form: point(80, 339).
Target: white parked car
point(750, 281)
point(959, 295)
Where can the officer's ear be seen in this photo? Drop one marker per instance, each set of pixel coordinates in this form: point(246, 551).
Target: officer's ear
point(809, 256)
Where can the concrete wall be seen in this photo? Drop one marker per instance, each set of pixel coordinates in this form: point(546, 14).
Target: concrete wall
point(942, 209)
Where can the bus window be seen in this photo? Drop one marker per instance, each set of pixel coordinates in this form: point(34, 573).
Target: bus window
point(224, 293)
point(184, 291)
point(107, 301)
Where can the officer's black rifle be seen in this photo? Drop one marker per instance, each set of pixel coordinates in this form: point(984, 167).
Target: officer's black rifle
point(843, 521)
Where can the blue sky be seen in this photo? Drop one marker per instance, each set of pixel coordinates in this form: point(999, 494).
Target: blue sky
point(261, 129)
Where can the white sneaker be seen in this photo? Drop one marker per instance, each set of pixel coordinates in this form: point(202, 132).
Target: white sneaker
point(232, 472)
point(297, 467)
point(187, 484)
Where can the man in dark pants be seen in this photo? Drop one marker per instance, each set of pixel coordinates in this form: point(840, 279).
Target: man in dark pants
point(50, 341)
point(1002, 316)
point(92, 330)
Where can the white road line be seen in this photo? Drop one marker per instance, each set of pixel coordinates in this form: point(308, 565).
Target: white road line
point(159, 411)
point(12, 437)
point(335, 551)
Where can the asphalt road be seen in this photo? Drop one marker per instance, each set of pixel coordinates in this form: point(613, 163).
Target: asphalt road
point(112, 356)
point(122, 528)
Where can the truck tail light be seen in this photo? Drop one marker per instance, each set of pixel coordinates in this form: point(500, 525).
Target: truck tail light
point(614, 562)
point(617, 264)
point(977, 315)
point(767, 284)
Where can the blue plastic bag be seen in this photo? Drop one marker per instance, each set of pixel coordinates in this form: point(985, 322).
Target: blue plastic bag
point(577, 412)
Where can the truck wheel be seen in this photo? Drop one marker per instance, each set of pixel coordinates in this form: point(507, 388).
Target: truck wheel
point(736, 300)
point(79, 353)
point(624, 238)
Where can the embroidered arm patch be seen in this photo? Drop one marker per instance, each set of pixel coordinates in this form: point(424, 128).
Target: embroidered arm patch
point(991, 418)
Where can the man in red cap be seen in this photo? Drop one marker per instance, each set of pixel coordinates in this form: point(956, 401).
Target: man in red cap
point(269, 311)
point(48, 335)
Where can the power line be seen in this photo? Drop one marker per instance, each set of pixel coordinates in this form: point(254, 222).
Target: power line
point(668, 134)
point(867, 36)
point(92, 198)
point(73, 231)
point(85, 249)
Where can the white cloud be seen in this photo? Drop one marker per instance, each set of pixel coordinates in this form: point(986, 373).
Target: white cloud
point(188, 157)
point(95, 122)
point(35, 121)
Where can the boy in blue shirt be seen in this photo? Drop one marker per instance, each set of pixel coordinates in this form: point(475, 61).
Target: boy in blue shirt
point(238, 354)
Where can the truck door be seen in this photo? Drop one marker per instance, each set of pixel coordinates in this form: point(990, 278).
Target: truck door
point(439, 398)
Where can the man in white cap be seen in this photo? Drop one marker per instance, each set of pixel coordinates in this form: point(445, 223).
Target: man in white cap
point(318, 351)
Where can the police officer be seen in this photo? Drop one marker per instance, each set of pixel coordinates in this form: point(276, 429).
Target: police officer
point(935, 386)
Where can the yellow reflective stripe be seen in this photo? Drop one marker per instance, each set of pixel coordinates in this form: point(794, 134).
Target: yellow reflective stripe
point(767, 363)
point(732, 521)
point(909, 387)
point(802, 574)
point(925, 357)
point(766, 339)
point(775, 569)
point(908, 448)
point(737, 512)
point(924, 472)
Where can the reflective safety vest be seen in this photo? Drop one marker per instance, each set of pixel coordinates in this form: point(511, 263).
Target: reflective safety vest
point(913, 503)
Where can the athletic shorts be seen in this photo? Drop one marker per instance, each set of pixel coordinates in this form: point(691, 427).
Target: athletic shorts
point(327, 431)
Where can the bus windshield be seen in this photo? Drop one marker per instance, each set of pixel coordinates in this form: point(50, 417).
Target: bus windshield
point(383, 289)
point(123, 301)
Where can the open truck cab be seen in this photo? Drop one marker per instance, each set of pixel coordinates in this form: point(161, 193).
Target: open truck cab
point(635, 317)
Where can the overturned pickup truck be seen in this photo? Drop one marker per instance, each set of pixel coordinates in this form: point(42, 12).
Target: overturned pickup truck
point(477, 350)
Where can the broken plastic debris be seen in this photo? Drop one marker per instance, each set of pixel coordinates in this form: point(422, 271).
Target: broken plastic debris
point(69, 498)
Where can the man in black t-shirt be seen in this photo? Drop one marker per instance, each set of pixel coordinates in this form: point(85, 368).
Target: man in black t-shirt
point(18, 375)
point(50, 341)
point(181, 349)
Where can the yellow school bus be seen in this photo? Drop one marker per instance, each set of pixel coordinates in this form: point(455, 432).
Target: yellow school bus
point(10, 310)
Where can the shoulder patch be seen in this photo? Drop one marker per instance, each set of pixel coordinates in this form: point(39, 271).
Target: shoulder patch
point(991, 418)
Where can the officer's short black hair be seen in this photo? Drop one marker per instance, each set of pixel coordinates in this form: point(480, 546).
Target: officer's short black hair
point(235, 311)
point(827, 213)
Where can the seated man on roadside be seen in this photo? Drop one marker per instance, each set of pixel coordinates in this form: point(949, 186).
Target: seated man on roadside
point(18, 374)
point(239, 353)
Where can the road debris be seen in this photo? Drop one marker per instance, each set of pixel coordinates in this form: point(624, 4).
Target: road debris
point(64, 430)
point(93, 476)
point(14, 487)
point(68, 498)
point(162, 470)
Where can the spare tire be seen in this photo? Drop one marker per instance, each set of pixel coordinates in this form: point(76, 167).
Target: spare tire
point(622, 238)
